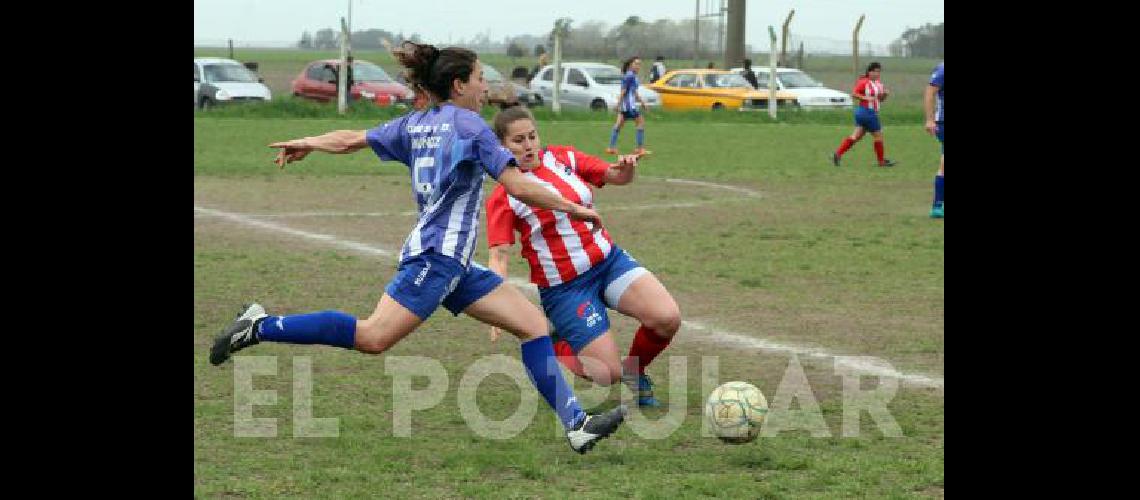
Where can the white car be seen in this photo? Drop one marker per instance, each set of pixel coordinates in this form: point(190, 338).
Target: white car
point(809, 93)
point(219, 81)
point(585, 84)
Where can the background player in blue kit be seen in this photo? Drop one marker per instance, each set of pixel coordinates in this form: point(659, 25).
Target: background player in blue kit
point(449, 150)
point(627, 106)
point(934, 126)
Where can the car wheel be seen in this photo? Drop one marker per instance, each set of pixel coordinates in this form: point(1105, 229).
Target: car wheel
point(718, 107)
point(598, 105)
point(537, 100)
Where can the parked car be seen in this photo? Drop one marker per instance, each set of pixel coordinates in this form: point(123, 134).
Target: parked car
point(504, 93)
point(318, 81)
point(713, 89)
point(585, 84)
point(220, 81)
point(809, 92)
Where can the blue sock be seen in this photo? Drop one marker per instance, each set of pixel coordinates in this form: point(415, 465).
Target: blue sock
point(326, 327)
point(613, 137)
point(938, 188)
point(538, 356)
point(640, 137)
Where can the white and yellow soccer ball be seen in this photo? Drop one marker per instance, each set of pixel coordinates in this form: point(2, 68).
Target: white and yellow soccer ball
point(735, 411)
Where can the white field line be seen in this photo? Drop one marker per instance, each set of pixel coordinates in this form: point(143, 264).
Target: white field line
point(412, 213)
point(866, 365)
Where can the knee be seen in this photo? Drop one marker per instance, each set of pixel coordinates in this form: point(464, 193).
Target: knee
point(665, 322)
point(369, 338)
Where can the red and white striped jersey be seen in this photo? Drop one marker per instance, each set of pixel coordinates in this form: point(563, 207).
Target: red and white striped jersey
point(870, 88)
point(557, 248)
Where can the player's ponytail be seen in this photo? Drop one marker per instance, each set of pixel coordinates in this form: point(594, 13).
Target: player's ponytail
point(432, 70)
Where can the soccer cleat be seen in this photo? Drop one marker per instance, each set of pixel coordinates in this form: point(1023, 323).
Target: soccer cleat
point(611, 151)
point(239, 335)
point(835, 159)
point(887, 162)
point(639, 150)
point(937, 211)
point(643, 386)
point(595, 428)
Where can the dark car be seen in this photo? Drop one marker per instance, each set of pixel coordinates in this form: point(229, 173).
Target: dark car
point(318, 81)
point(504, 93)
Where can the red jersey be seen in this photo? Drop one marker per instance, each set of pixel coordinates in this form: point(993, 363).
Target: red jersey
point(870, 88)
point(557, 248)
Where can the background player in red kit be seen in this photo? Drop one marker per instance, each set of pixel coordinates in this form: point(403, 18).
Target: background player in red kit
point(579, 271)
point(870, 92)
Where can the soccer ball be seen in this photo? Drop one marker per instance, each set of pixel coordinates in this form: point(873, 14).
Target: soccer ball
point(734, 412)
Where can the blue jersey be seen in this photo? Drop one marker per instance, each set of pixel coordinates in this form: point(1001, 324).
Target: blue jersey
point(937, 79)
point(629, 85)
point(448, 150)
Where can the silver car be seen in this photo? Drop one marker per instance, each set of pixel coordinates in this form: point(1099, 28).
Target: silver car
point(220, 81)
point(589, 85)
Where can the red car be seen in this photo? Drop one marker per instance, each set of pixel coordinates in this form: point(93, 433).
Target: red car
point(370, 82)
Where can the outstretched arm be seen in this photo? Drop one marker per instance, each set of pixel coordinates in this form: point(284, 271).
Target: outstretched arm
point(533, 194)
point(335, 142)
point(623, 171)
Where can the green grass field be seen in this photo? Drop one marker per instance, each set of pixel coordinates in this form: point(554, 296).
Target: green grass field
point(840, 259)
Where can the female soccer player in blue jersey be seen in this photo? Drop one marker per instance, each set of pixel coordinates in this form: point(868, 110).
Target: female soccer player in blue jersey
point(449, 149)
point(932, 103)
point(627, 106)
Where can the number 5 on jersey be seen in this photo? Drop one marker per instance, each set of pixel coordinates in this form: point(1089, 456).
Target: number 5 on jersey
point(423, 174)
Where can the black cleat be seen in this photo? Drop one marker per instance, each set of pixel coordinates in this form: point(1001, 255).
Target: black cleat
point(595, 428)
point(239, 335)
point(835, 158)
point(887, 162)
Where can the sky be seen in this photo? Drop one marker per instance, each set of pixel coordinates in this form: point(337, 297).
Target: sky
point(441, 21)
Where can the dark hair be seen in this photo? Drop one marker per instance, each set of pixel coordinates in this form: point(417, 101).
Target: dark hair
point(660, 58)
point(625, 65)
point(872, 67)
point(509, 115)
point(434, 70)
point(747, 63)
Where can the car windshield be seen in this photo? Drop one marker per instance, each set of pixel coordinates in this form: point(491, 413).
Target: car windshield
point(491, 74)
point(725, 80)
point(367, 72)
point(798, 80)
point(605, 75)
point(228, 73)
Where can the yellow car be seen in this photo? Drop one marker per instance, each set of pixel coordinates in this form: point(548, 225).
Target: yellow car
point(713, 89)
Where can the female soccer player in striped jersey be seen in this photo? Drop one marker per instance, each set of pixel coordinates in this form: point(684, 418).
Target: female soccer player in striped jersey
point(578, 268)
point(870, 92)
point(449, 150)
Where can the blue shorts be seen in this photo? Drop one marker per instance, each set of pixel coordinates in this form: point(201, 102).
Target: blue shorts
point(631, 114)
point(578, 308)
point(938, 132)
point(425, 281)
point(867, 118)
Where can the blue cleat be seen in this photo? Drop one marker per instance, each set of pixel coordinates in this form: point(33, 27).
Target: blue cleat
point(937, 211)
point(643, 386)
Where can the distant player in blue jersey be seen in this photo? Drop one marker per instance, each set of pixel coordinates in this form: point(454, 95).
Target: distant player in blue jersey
point(449, 150)
point(627, 106)
point(934, 126)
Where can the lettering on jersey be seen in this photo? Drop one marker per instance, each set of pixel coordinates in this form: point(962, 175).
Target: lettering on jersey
point(427, 142)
